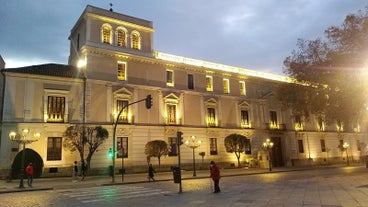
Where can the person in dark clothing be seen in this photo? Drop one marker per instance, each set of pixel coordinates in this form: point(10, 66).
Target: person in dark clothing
point(75, 171)
point(215, 175)
point(151, 173)
point(83, 169)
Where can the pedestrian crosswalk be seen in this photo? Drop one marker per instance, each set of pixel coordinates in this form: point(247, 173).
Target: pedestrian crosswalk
point(115, 192)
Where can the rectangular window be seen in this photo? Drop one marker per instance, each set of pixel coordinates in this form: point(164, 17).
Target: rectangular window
point(55, 109)
point(248, 149)
point(171, 113)
point(122, 147)
point(300, 146)
point(121, 71)
point(124, 114)
point(211, 117)
point(169, 78)
point(190, 81)
point(323, 145)
point(209, 83)
point(273, 119)
point(320, 124)
point(226, 86)
point(298, 123)
point(54, 148)
point(213, 146)
point(242, 88)
point(244, 122)
point(173, 146)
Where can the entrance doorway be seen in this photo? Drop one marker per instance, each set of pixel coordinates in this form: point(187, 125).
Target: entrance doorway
point(276, 152)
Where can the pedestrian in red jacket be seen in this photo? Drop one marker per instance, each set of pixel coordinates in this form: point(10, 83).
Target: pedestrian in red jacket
point(215, 175)
point(30, 172)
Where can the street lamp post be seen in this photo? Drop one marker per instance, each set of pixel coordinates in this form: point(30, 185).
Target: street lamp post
point(268, 146)
point(346, 146)
point(22, 139)
point(82, 65)
point(193, 143)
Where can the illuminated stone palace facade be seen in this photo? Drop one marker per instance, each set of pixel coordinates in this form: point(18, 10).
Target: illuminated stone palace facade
point(199, 98)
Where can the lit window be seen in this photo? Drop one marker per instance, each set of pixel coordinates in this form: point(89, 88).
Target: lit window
point(54, 148)
point(244, 116)
point(320, 124)
point(106, 34)
point(121, 71)
point(171, 113)
point(124, 116)
point(169, 78)
point(136, 40)
point(55, 105)
point(226, 86)
point(211, 117)
point(298, 123)
point(55, 109)
point(339, 126)
point(213, 146)
point(209, 83)
point(121, 37)
point(273, 120)
point(242, 88)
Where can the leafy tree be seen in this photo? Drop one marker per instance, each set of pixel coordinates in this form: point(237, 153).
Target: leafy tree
point(237, 144)
point(330, 76)
point(75, 139)
point(156, 148)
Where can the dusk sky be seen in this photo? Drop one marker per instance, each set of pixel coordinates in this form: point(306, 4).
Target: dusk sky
point(252, 34)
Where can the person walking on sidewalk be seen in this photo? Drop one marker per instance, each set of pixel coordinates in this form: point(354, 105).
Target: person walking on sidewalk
point(215, 175)
point(30, 172)
point(75, 171)
point(151, 173)
point(83, 169)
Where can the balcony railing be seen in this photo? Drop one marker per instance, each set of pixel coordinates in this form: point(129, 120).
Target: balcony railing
point(272, 126)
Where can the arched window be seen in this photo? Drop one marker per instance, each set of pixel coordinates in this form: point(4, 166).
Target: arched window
point(121, 38)
point(136, 40)
point(106, 36)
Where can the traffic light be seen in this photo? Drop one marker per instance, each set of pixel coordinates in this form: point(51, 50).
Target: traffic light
point(110, 154)
point(179, 136)
point(149, 101)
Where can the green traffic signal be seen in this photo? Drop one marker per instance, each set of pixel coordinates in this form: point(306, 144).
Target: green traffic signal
point(110, 154)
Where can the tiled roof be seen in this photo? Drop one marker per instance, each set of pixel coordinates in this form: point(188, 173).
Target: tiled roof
point(51, 69)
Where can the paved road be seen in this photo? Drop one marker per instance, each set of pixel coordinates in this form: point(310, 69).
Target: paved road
point(322, 187)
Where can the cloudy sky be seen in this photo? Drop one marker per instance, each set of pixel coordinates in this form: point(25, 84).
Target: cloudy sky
point(253, 34)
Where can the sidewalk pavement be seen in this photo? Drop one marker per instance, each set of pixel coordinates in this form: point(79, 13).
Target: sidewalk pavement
point(91, 181)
